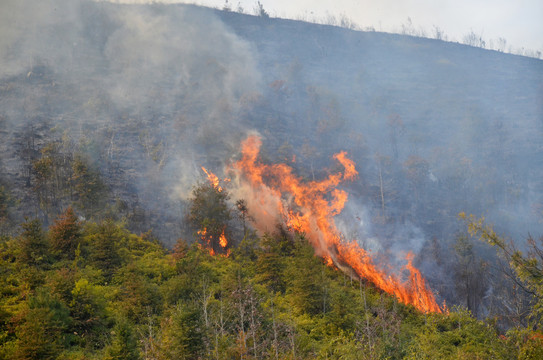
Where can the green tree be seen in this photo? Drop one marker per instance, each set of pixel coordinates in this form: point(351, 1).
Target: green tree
point(182, 335)
point(270, 263)
point(527, 267)
point(528, 342)
point(52, 173)
point(457, 336)
point(6, 203)
point(40, 334)
point(243, 214)
point(417, 170)
point(65, 234)
point(260, 11)
point(139, 295)
point(88, 310)
point(89, 189)
point(104, 241)
point(180, 249)
point(189, 269)
point(43, 173)
point(305, 280)
point(124, 345)
point(34, 248)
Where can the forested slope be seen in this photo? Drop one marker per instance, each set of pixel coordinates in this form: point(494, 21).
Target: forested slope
point(84, 290)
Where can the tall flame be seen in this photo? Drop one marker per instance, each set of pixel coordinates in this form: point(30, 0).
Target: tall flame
point(222, 240)
point(273, 193)
point(213, 179)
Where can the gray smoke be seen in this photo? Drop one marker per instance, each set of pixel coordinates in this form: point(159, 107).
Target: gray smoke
point(155, 91)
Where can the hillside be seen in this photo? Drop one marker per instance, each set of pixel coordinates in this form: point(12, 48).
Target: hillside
point(113, 109)
point(123, 296)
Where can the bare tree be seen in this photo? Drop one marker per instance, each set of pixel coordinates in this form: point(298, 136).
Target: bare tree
point(438, 33)
point(260, 11)
point(501, 44)
point(472, 39)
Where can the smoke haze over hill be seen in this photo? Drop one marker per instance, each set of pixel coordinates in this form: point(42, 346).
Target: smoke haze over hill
point(502, 25)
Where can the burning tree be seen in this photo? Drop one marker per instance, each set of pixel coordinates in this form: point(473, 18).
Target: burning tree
point(209, 215)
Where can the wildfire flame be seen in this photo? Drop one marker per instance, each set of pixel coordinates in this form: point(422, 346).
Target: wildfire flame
point(273, 193)
point(213, 179)
point(206, 238)
point(222, 240)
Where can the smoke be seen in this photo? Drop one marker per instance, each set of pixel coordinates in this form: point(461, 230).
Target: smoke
point(33, 31)
point(152, 92)
point(356, 224)
point(189, 57)
point(133, 56)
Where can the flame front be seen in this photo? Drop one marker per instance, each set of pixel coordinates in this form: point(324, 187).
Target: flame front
point(274, 194)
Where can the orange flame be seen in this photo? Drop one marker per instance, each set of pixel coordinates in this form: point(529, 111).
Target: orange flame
point(213, 179)
point(203, 233)
point(274, 193)
point(207, 240)
point(222, 240)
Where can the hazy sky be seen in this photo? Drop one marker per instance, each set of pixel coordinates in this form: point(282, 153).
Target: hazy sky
point(520, 22)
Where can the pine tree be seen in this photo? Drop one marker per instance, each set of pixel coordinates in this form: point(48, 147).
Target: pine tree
point(40, 333)
point(65, 234)
point(124, 345)
point(304, 280)
point(34, 248)
point(104, 244)
point(269, 264)
point(89, 188)
point(182, 335)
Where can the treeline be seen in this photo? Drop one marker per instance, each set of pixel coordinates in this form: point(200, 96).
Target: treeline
point(54, 172)
point(93, 290)
point(408, 28)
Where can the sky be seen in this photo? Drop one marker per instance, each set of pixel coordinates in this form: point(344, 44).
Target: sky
point(519, 22)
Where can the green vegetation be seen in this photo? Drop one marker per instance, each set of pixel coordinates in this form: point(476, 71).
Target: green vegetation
point(527, 269)
point(84, 290)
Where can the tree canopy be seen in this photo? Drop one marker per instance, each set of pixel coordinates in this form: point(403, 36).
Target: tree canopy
point(83, 290)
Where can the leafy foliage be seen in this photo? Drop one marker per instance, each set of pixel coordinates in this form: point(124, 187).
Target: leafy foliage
point(34, 249)
point(65, 234)
point(123, 296)
point(457, 336)
point(527, 267)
